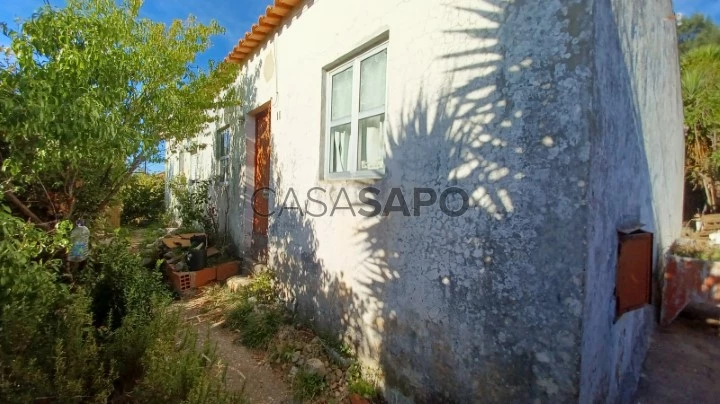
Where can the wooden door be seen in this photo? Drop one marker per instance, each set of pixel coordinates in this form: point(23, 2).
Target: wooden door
point(262, 182)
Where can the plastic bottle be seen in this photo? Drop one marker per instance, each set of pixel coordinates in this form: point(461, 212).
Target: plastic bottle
point(79, 243)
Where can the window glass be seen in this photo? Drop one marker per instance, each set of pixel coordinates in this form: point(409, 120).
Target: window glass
point(372, 81)
point(356, 116)
point(339, 146)
point(342, 95)
point(371, 151)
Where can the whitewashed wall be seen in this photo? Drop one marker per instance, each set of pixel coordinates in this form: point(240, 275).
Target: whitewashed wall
point(496, 97)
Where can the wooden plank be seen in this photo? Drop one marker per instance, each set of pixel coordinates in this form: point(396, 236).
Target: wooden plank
point(212, 251)
point(188, 236)
point(175, 242)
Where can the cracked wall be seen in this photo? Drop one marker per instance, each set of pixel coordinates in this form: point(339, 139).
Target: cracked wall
point(636, 177)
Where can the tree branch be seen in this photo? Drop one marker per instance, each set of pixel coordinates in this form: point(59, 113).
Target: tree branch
point(25, 210)
point(137, 160)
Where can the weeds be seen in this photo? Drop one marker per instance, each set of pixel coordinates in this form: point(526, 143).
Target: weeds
point(359, 384)
point(306, 385)
point(696, 250)
point(283, 353)
point(257, 315)
point(256, 323)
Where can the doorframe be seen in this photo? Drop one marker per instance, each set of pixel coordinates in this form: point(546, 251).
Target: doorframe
point(249, 180)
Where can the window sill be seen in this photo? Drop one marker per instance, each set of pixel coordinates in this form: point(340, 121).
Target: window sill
point(357, 175)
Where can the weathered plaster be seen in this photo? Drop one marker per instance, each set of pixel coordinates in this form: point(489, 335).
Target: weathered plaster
point(505, 100)
point(636, 176)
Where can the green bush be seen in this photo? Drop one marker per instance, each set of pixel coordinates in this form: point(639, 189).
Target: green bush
point(47, 344)
point(121, 285)
point(107, 334)
point(191, 203)
point(143, 199)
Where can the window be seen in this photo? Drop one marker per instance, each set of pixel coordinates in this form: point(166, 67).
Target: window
point(193, 167)
point(181, 163)
point(355, 122)
point(222, 153)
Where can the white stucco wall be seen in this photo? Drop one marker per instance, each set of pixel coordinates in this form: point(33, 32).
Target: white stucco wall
point(636, 177)
point(501, 99)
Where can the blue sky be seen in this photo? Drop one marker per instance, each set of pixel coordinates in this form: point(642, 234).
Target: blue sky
point(235, 15)
point(707, 7)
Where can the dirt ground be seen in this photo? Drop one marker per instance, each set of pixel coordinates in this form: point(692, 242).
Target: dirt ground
point(247, 372)
point(683, 364)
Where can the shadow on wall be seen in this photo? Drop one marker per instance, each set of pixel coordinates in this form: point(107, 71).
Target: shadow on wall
point(486, 306)
point(635, 69)
point(228, 197)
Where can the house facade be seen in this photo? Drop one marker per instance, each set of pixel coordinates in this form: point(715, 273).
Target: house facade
point(441, 184)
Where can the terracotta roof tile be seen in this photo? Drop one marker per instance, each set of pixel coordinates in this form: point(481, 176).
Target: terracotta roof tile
point(274, 15)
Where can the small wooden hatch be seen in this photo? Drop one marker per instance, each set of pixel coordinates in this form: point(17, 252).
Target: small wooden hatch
point(633, 282)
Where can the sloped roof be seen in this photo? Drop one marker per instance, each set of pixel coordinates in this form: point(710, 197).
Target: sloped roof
point(275, 14)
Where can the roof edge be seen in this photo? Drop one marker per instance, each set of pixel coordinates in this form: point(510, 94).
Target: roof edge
point(274, 16)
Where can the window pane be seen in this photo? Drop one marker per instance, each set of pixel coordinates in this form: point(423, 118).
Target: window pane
point(372, 81)
point(339, 145)
point(341, 94)
point(372, 151)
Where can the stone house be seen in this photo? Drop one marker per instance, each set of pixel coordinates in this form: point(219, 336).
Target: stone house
point(552, 123)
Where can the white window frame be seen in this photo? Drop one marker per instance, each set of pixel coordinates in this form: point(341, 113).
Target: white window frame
point(223, 158)
point(194, 167)
point(355, 117)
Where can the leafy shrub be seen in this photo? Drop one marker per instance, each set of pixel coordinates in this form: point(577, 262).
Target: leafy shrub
point(176, 369)
point(121, 285)
point(190, 201)
point(47, 345)
point(143, 198)
point(108, 335)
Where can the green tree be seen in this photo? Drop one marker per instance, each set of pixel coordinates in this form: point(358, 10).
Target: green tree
point(700, 81)
point(143, 199)
point(696, 31)
point(89, 92)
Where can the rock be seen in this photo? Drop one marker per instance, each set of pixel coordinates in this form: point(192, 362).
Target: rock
point(234, 283)
point(150, 246)
point(316, 366)
point(293, 371)
point(315, 340)
point(147, 261)
point(338, 374)
point(180, 266)
point(296, 356)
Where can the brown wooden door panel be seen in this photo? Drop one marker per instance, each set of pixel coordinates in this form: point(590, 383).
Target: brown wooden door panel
point(634, 271)
point(262, 173)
